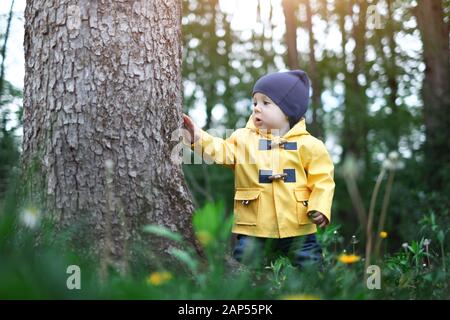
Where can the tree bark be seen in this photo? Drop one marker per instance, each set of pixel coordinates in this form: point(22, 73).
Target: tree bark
point(392, 74)
point(316, 83)
point(435, 91)
point(103, 82)
point(354, 132)
point(289, 10)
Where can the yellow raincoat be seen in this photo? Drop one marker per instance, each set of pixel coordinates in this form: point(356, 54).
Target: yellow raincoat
point(274, 207)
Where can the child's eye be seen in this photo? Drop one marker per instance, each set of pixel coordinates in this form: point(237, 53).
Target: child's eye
point(254, 104)
point(266, 102)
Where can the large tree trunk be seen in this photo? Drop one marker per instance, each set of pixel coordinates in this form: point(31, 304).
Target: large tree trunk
point(103, 82)
point(435, 91)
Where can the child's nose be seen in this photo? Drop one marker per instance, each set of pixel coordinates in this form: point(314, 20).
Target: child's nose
point(257, 108)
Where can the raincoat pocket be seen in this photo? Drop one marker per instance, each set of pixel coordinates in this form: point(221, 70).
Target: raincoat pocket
point(246, 205)
point(302, 197)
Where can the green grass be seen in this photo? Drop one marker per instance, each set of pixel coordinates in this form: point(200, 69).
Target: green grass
point(31, 271)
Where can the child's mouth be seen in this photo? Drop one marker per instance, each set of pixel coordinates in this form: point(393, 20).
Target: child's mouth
point(258, 121)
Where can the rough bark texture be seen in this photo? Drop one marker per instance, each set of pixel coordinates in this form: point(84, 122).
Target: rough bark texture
point(103, 81)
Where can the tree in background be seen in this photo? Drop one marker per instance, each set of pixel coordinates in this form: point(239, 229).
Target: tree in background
point(219, 70)
point(9, 151)
point(435, 91)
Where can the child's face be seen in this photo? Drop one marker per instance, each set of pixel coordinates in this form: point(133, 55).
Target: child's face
point(266, 114)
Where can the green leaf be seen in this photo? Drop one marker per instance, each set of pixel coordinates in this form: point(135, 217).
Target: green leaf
point(184, 257)
point(209, 218)
point(162, 232)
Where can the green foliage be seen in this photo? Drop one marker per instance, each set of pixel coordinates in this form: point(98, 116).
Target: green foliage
point(35, 259)
point(375, 103)
point(9, 144)
point(162, 232)
point(213, 227)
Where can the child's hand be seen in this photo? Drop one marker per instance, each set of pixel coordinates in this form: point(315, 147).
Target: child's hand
point(192, 128)
point(318, 218)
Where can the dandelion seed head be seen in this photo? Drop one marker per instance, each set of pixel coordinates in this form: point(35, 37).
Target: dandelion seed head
point(351, 167)
point(393, 155)
point(388, 164)
point(30, 217)
point(392, 162)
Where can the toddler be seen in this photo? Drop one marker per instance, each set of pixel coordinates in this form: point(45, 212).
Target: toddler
point(283, 175)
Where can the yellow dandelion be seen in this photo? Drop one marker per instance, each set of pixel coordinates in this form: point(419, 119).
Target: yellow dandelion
point(159, 277)
point(204, 237)
point(299, 297)
point(383, 234)
point(348, 258)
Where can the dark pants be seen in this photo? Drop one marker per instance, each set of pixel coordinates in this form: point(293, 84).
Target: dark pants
point(301, 250)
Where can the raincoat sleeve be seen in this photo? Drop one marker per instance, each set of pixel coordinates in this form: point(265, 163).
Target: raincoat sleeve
point(320, 181)
point(214, 149)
